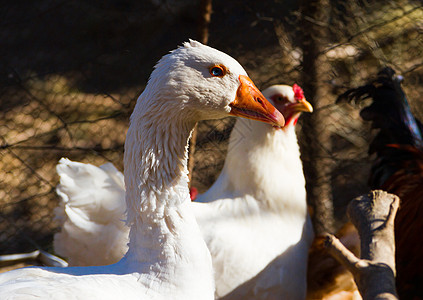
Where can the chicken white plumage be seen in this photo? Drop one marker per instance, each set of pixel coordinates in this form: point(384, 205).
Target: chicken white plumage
point(167, 257)
point(256, 210)
point(256, 225)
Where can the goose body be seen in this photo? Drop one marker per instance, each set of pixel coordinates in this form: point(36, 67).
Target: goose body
point(167, 257)
point(254, 213)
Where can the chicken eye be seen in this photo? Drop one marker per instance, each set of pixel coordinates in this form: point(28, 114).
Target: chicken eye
point(282, 99)
point(279, 99)
point(217, 71)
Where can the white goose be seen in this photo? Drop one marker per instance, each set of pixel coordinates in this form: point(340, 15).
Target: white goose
point(257, 208)
point(167, 257)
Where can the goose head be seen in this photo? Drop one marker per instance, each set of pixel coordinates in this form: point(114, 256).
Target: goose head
point(204, 83)
point(289, 100)
point(192, 83)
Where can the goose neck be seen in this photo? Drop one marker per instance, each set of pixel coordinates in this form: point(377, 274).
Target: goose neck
point(164, 238)
point(156, 153)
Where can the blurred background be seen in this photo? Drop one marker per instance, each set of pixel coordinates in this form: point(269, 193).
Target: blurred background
point(71, 71)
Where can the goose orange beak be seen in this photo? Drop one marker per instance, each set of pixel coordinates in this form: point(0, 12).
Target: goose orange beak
point(251, 104)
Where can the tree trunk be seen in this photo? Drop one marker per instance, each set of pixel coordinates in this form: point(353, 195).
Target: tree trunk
point(203, 36)
point(315, 136)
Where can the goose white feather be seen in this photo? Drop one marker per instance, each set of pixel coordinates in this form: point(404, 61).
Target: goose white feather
point(255, 212)
point(167, 257)
point(89, 214)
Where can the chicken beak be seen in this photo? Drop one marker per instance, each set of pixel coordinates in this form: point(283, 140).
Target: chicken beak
point(302, 106)
point(250, 103)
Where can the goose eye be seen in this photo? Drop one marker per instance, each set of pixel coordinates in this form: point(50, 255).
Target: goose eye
point(217, 71)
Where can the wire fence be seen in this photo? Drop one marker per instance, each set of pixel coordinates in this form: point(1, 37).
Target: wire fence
point(71, 71)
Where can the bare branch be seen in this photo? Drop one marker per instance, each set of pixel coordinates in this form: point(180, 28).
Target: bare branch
point(374, 273)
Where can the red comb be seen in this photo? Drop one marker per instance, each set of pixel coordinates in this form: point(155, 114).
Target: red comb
point(298, 92)
point(193, 193)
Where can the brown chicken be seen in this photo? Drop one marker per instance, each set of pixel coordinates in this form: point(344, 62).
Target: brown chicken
point(327, 279)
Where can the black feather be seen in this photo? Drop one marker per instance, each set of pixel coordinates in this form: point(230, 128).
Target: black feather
point(390, 113)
